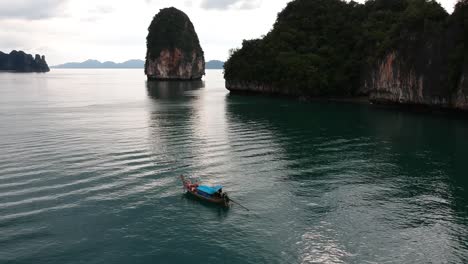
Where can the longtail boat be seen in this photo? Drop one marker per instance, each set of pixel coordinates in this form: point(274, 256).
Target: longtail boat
point(213, 194)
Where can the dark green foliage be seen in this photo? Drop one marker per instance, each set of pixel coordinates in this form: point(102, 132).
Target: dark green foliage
point(320, 47)
point(458, 56)
point(170, 29)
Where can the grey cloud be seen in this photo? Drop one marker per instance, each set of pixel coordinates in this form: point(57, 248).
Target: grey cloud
point(102, 10)
point(229, 4)
point(188, 3)
point(96, 13)
point(31, 9)
point(250, 4)
point(10, 42)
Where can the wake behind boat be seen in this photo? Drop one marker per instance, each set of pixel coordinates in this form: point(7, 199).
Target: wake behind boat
point(213, 194)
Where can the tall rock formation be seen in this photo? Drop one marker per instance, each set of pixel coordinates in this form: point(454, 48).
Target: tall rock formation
point(395, 52)
point(173, 48)
point(18, 61)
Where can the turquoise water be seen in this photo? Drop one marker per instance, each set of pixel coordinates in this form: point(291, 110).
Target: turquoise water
point(89, 167)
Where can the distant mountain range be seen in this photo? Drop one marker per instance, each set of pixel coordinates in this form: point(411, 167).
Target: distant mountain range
point(214, 64)
point(95, 64)
point(130, 64)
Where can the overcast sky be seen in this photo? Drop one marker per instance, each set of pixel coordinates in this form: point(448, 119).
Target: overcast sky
point(76, 30)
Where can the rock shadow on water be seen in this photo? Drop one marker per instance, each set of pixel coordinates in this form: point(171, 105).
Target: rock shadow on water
point(172, 89)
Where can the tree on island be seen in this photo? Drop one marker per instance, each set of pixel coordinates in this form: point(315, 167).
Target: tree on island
point(323, 47)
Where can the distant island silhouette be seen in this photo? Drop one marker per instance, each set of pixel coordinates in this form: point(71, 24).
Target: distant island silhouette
point(19, 61)
point(130, 64)
point(214, 64)
point(95, 64)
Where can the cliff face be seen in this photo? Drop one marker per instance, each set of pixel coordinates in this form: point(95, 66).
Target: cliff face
point(413, 73)
point(174, 64)
point(424, 69)
point(173, 48)
point(460, 98)
point(18, 61)
point(394, 80)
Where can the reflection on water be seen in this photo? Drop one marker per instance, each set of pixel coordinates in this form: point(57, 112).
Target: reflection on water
point(359, 174)
point(89, 172)
point(171, 89)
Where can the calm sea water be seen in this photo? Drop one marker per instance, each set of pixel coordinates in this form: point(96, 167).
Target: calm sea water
point(90, 159)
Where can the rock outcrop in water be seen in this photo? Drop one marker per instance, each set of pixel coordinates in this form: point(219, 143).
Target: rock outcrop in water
point(399, 52)
point(173, 48)
point(18, 61)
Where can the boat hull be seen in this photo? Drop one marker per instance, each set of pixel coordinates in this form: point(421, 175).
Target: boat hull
point(219, 201)
point(188, 187)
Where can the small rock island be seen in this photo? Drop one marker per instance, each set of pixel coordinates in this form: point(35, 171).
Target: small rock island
point(19, 61)
point(173, 48)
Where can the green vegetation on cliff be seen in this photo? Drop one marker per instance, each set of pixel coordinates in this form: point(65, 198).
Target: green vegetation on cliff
point(170, 29)
point(322, 47)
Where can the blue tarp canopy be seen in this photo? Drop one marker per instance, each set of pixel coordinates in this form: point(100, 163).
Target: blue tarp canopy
point(209, 189)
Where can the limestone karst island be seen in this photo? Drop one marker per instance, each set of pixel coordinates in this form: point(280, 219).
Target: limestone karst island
point(173, 49)
point(398, 52)
point(19, 61)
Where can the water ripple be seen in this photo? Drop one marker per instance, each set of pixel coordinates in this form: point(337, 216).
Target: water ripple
point(89, 170)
